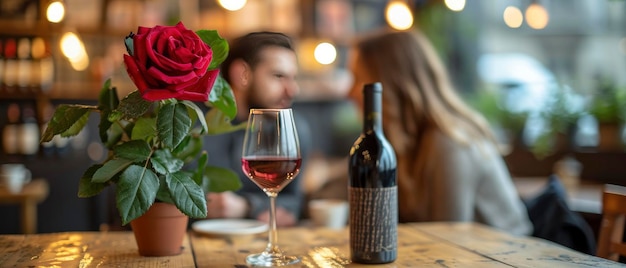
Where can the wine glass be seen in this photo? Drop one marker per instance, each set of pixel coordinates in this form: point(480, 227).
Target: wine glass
point(271, 159)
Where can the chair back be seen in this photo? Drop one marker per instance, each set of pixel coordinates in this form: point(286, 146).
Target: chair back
point(611, 243)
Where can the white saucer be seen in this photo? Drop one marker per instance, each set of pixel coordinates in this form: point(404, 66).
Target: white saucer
point(229, 227)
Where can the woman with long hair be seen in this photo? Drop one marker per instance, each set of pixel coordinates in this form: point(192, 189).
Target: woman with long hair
point(449, 166)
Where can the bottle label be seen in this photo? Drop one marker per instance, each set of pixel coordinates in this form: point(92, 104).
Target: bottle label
point(373, 220)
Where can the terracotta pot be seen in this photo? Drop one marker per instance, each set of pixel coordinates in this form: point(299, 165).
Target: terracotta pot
point(160, 231)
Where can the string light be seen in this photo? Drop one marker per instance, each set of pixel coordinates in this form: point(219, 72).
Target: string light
point(455, 5)
point(55, 12)
point(232, 5)
point(74, 50)
point(537, 16)
point(325, 53)
point(399, 15)
point(513, 17)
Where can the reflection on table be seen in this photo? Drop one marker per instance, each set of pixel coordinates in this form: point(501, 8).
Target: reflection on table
point(420, 245)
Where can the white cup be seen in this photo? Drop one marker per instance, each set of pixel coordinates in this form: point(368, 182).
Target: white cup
point(14, 177)
point(331, 213)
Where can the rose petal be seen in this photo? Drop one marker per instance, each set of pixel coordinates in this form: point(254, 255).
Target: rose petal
point(203, 88)
point(169, 78)
point(134, 73)
point(158, 94)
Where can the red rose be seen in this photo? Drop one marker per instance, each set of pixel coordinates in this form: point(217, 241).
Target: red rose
point(170, 62)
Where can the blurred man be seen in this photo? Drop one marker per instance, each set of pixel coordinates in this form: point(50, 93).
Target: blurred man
point(261, 69)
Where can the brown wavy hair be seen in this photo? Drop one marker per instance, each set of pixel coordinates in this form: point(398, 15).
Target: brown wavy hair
point(417, 96)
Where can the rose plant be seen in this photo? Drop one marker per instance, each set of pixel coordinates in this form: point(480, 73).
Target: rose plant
point(154, 134)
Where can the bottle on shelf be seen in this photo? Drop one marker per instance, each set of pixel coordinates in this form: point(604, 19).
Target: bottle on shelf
point(372, 188)
point(24, 60)
point(10, 131)
point(38, 52)
point(28, 137)
point(9, 78)
point(1, 64)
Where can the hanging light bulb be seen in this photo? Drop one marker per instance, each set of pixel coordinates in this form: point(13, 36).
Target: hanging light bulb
point(74, 50)
point(513, 17)
point(232, 5)
point(537, 16)
point(455, 5)
point(325, 53)
point(399, 15)
point(55, 12)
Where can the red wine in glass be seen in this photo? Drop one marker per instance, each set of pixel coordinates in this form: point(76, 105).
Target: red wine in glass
point(271, 173)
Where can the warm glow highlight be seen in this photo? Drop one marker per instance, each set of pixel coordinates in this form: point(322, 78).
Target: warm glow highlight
point(399, 15)
point(513, 17)
point(537, 16)
point(455, 5)
point(55, 12)
point(232, 5)
point(325, 53)
point(74, 50)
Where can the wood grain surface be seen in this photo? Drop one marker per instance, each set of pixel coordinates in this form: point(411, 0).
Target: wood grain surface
point(419, 245)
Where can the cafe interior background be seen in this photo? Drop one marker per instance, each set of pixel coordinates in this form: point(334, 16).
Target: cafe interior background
point(550, 75)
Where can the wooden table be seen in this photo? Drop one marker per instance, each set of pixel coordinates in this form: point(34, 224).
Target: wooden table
point(420, 245)
point(32, 194)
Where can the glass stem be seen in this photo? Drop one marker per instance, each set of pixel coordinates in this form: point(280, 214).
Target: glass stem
point(272, 245)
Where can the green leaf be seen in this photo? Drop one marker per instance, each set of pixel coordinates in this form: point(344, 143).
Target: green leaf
point(64, 118)
point(221, 179)
point(113, 135)
point(164, 162)
point(217, 44)
point(107, 102)
point(110, 169)
point(77, 126)
point(130, 44)
point(87, 188)
point(144, 129)
point(199, 174)
point(173, 124)
point(220, 122)
point(222, 97)
point(131, 107)
point(189, 148)
point(188, 196)
point(198, 113)
point(164, 193)
point(134, 150)
point(136, 192)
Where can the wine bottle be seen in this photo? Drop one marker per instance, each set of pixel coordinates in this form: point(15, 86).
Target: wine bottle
point(28, 138)
point(10, 131)
point(372, 188)
point(23, 64)
point(10, 65)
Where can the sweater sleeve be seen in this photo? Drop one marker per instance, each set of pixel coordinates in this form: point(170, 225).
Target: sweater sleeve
point(472, 183)
point(452, 186)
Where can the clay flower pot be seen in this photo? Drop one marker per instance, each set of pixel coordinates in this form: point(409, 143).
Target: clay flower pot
point(160, 231)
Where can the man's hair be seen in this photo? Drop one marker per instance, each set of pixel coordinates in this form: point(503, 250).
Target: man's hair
point(249, 46)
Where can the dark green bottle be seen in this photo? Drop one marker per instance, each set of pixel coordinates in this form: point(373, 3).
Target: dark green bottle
point(372, 188)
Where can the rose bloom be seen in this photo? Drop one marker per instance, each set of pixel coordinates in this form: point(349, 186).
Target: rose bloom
point(170, 62)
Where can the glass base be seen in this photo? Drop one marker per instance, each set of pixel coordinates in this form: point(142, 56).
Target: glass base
point(265, 259)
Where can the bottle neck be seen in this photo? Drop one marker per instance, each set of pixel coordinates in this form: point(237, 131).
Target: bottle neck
point(372, 109)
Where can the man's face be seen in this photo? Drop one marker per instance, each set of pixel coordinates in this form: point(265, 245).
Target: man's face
point(273, 83)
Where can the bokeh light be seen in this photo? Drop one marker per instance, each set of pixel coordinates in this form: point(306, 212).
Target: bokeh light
point(232, 5)
point(537, 16)
point(55, 12)
point(399, 15)
point(513, 17)
point(325, 53)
